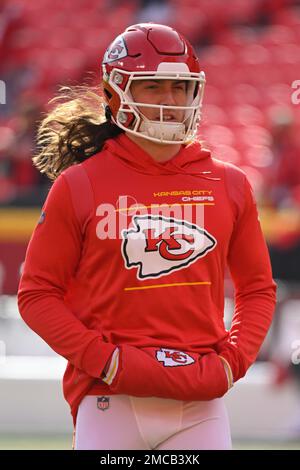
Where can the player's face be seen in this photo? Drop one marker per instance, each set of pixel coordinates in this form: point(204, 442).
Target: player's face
point(166, 92)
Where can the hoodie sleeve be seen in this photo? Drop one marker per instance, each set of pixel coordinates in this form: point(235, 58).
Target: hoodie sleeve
point(51, 259)
point(255, 291)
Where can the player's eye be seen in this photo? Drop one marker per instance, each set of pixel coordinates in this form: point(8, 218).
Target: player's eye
point(180, 86)
point(150, 87)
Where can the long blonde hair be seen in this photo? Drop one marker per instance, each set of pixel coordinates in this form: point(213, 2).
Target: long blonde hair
point(74, 130)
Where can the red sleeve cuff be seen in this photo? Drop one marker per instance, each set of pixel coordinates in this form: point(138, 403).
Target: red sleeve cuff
point(230, 352)
point(96, 356)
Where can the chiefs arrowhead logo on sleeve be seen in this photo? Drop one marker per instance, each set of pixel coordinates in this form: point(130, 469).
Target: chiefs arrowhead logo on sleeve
point(158, 245)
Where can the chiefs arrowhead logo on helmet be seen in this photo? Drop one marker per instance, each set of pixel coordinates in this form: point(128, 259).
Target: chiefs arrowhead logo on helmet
point(117, 50)
point(158, 245)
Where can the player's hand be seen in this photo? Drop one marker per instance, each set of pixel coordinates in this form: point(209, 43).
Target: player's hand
point(228, 371)
point(111, 368)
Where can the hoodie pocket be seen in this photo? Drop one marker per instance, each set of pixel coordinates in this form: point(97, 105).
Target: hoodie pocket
point(169, 373)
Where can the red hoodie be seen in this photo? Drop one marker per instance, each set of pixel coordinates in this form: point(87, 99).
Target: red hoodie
point(84, 294)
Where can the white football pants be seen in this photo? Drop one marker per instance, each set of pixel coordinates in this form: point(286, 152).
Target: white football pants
point(127, 422)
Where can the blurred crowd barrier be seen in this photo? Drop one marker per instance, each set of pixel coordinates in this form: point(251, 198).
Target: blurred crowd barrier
point(250, 52)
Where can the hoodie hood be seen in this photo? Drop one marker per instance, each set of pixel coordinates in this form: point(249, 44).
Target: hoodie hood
point(182, 163)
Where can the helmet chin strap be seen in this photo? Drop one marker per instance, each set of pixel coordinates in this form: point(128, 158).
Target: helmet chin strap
point(163, 131)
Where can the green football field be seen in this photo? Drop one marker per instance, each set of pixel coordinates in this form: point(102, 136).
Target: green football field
point(64, 442)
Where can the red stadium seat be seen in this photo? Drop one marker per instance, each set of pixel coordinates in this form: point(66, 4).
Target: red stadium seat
point(259, 156)
point(243, 93)
point(213, 94)
point(246, 115)
point(217, 56)
point(217, 135)
point(226, 153)
point(254, 135)
point(213, 114)
point(289, 17)
point(276, 35)
point(279, 93)
point(287, 53)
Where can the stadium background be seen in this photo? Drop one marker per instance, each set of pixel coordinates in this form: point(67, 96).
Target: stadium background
point(250, 52)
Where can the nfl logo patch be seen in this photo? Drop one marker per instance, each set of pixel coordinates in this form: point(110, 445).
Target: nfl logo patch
point(103, 403)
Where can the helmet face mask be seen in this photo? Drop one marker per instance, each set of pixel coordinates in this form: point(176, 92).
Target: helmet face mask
point(118, 76)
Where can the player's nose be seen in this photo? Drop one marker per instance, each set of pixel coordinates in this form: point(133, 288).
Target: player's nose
point(167, 95)
point(168, 99)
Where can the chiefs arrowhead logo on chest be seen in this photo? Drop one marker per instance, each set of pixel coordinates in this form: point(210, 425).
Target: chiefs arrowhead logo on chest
point(158, 245)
